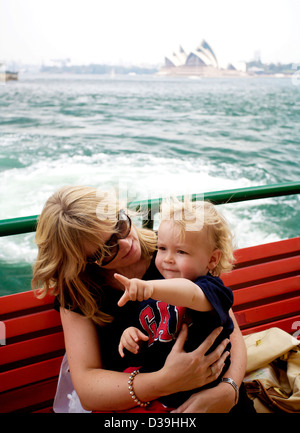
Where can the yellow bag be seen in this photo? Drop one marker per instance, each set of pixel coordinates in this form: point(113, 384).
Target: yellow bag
point(273, 371)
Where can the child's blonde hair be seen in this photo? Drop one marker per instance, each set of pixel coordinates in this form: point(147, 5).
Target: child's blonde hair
point(196, 216)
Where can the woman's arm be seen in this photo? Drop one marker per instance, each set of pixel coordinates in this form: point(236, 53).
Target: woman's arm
point(221, 398)
point(174, 291)
point(100, 389)
point(237, 368)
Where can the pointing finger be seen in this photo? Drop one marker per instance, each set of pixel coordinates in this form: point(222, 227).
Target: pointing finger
point(123, 280)
point(124, 299)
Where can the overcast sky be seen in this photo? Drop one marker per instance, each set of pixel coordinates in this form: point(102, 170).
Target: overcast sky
point(140, 31)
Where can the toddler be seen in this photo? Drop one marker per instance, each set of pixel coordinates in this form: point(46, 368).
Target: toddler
point(194, 247)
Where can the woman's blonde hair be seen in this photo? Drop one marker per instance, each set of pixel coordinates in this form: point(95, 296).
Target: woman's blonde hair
point(72, 218)
point(195, 216)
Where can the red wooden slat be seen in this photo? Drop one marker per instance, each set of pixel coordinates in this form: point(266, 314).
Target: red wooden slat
point(268, 250)
point(265, 290)
point(268, 311)
point(22, 301)
point(31, 323)
point(30, 396)
point(30, 374)
point(264, 270)
point(33, 347)
point(291, 325)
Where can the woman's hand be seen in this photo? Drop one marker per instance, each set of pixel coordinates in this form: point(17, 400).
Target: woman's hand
point(185, 371)
point(221, 398)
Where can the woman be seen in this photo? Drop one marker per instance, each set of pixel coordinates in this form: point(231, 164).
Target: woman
point(83, 238)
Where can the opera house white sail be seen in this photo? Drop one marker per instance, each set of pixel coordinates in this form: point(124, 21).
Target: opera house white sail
point(202, 61)
point(176, 59)
point(203, 55)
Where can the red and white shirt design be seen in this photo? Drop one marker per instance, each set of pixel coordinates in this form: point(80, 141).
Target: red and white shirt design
point(161, 321)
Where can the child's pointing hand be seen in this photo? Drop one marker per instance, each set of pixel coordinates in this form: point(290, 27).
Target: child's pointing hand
point(135, 289)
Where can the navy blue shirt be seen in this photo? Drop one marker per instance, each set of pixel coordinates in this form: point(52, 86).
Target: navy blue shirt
point(107, 299)
point(162, 322)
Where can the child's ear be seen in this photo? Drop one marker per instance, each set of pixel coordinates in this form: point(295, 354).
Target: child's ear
point(214, 259)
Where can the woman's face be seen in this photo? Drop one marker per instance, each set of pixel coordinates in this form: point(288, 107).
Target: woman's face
point(129, 251)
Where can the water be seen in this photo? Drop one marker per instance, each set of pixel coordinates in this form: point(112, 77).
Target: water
point(153, 136)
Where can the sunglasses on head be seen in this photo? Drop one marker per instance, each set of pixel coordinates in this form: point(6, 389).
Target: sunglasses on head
point(122, 228)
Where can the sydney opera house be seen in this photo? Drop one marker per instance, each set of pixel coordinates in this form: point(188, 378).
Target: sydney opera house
point(200, 62)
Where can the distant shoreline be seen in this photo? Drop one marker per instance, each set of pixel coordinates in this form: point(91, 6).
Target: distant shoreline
point(158, 73)
point(250, 69)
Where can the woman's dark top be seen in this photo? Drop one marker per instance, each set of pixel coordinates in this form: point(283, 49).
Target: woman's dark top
point(107, 299)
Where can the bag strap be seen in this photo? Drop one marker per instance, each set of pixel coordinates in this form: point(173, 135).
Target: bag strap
point(257, 389)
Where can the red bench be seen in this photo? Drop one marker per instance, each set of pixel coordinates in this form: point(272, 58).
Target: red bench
point(266, 285)
point(31, 358)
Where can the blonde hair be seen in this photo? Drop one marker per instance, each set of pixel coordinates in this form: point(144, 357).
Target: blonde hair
point(72, 218)
point(196, 216)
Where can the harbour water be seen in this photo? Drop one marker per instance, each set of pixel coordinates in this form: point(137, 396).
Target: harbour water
point(152, 136)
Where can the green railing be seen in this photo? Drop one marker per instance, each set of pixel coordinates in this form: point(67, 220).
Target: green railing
point(20, 225)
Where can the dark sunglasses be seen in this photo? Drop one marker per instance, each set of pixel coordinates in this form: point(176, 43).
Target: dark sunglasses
point(123, 228)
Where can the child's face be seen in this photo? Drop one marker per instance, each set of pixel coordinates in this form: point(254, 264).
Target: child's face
point(187, 257)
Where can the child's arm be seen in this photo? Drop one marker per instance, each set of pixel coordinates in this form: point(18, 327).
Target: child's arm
point(174, 291)
point(130, 339)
